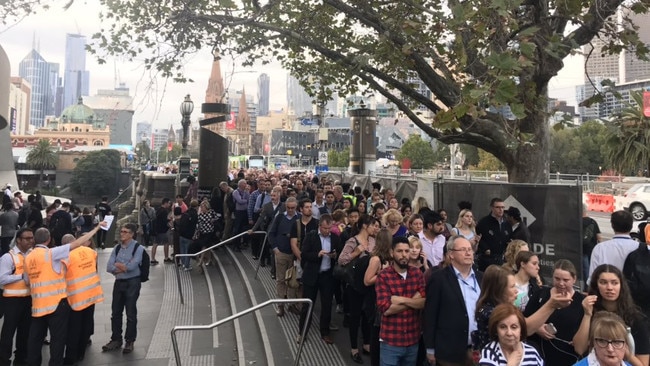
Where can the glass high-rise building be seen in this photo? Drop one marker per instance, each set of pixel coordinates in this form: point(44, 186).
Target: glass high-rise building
point(38, 73)
point(299, 103)
point(263, 86)
point(622, 68)
point(76, 80)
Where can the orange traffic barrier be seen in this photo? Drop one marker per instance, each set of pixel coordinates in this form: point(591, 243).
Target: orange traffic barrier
point(601, 202)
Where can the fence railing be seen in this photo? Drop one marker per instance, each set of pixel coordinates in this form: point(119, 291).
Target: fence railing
point(177, 257)
point(303, 331)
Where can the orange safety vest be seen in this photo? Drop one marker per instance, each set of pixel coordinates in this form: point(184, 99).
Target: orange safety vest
point(82, 280)
point(47, 287)
point(18, 288)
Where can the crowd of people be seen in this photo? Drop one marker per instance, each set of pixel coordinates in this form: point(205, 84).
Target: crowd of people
point(415, 289)
point(410, 286)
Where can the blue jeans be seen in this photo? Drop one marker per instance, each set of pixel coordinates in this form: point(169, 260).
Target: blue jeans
point(397, 356)
point(185, 247)
point(125, 296)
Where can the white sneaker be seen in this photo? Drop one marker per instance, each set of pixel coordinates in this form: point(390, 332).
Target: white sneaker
point(187, 269)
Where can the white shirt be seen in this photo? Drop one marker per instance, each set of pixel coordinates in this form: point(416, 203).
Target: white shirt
point(613, 251)
point(315, 212)
point(434, 249)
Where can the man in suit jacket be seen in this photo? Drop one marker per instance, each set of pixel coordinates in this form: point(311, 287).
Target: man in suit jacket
point(450, 306)
point(267, 214)
point(320, 251)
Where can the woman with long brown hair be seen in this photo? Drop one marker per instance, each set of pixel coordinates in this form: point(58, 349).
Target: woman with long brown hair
point(608, 291)
point(360, 245)
point(380, 259)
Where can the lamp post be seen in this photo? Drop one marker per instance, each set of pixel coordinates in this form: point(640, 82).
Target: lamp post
point(186, 111)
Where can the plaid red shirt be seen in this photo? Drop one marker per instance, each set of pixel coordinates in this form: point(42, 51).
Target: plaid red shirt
point(402, 329)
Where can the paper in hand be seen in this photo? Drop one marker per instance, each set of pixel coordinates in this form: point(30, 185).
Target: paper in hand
point(109, 221)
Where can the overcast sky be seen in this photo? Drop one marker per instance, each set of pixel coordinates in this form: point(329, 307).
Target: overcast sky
point(160, 104)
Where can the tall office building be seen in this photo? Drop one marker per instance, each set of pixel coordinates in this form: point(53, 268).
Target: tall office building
point(263, 86)
point(299, 103)
point(20, 93)
point(55, 106)
point(76, 78)
point(622, 68)
point(37, 72)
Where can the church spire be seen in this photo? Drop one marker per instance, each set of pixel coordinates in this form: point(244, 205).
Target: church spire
point(215, 90)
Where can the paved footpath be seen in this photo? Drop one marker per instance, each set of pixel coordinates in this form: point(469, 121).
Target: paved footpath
point(210, 295)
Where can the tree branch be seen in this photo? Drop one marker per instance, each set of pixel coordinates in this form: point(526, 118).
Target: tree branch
point(596, 16)
point(328, 53)
point(446, 91)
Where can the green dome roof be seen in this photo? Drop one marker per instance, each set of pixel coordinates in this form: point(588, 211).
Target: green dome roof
point(78, 113)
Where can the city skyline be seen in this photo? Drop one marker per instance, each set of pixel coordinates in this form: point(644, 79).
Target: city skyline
point(156, 100)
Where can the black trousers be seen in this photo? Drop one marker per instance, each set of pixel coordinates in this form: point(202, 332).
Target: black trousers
point(324, 286)
point(57, 324)
point(358, 318)
point(17, 321)
point(101, 237)
point(80, 327)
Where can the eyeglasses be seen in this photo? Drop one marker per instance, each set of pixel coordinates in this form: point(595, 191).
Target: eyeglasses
point(466, 250)
point(125, 232)
point(603, 343)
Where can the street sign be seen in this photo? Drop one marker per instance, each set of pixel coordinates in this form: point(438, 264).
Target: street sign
point(322, 158)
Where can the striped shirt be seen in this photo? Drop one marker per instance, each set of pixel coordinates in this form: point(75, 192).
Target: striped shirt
point(492, 355)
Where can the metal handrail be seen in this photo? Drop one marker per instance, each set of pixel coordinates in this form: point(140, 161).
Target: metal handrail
point(303, 332)
point(178, 256)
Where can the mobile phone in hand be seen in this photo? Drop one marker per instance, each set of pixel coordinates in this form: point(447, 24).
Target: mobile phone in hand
point(550, 328)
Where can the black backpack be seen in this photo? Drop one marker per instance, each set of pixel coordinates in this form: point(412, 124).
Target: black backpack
point(589, 234)
point(144, 265)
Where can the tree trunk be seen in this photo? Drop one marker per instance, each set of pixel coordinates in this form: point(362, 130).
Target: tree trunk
point(529, 162)
point(40, 179)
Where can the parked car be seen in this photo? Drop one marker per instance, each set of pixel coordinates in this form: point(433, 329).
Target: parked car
point(637, 201)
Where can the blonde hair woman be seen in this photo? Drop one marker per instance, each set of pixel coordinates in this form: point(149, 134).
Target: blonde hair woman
point(466, 227)
point(513, 248)
point(420, 204)
point(417, 257)
point(392, 220)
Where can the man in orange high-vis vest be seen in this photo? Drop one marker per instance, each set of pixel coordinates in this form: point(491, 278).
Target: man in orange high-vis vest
point(84, 291)
point(18, 302)
point(45, 273)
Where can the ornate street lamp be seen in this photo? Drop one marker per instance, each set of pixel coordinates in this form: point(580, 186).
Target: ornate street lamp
point(186, 111)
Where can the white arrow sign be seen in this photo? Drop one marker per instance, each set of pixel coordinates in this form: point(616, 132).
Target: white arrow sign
point(526, 216)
